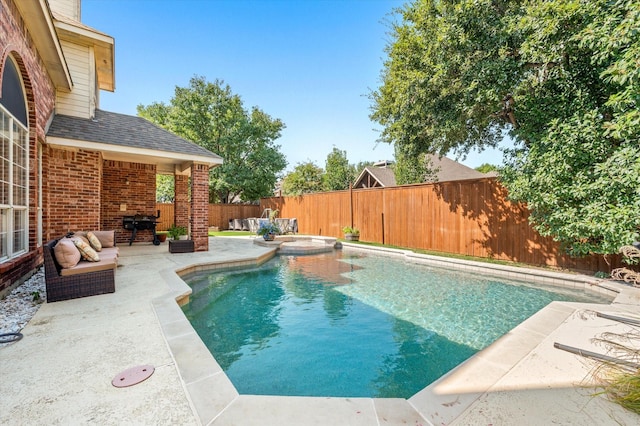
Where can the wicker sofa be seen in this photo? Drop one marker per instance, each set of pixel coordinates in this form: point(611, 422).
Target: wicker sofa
point(83, 279)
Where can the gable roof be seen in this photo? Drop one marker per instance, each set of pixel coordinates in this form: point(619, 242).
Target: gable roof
point(446, 170)
point(375, 177)
point(127, 138)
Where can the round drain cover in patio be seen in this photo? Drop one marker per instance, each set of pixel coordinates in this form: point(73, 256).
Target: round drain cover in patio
point(133, 376)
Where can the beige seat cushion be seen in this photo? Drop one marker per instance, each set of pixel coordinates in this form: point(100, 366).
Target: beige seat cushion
point(106, 238)
point(84, 267)
point(110, 253)
point(66, 253)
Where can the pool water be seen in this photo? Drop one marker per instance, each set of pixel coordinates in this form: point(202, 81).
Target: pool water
point(352, 325)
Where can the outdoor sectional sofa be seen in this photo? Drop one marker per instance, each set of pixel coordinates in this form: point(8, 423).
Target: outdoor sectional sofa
point(85, 278)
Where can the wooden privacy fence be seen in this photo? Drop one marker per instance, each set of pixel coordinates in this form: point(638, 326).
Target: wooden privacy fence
point(219, 214)
point(470, 217)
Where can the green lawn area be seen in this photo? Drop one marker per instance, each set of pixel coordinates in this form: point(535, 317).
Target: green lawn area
point(230, 233)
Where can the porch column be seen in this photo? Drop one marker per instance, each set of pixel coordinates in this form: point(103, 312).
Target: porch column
point(181, 200)
point(200, 206)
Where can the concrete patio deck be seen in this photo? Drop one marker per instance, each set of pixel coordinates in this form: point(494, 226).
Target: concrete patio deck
point(61, 371)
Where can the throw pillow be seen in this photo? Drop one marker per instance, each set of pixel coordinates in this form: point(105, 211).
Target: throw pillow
point(107, 238)
point(86, 251)
point(94, 241)
point(82, 236)
point(66, 253)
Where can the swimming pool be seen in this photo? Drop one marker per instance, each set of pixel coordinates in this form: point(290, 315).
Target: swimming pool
point(353, 325)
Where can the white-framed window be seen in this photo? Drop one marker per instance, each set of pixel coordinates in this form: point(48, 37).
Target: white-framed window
point(14, 167)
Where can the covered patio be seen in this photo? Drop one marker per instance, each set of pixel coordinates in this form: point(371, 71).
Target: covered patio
point(105, 168)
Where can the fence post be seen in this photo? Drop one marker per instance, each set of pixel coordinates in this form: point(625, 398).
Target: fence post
point(351, 202)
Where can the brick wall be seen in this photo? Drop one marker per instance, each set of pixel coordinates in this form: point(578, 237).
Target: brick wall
point(72, 191)
point(182, 201)
point(18, 270)
point(200, 207)
point(15, 41)
point(131, 186)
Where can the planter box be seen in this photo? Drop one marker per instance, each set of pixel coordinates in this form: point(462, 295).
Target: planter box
point(181, 246)
point(351, 237)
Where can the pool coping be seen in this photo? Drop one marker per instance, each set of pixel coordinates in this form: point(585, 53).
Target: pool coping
point(214, 399)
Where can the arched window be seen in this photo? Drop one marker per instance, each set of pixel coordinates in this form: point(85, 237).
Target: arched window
point(14, 165)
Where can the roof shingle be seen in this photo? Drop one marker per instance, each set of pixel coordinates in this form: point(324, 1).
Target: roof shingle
point(123, 130)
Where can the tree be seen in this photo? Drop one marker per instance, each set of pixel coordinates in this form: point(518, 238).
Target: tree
point(305, 178)
point(339, 174)
point(361, 166)
point(165, 189)
point(210, 115)
point(486, 168)
point(413, 167)
point(559, 76)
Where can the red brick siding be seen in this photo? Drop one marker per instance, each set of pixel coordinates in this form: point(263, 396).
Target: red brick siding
point(139, 196)
point(182, 200)
point(72, 189)
point(15, 41)
point(17, 270)
point(200, 206)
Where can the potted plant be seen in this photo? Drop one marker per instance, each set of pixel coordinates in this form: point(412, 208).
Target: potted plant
point(162, 236)
point(351, 233)
point(175, 232)
point(268, 231)
point(177, 244)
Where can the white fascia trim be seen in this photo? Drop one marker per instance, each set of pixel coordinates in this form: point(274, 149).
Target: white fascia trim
point(90, 37)
point(103, 147)
point(38, 19)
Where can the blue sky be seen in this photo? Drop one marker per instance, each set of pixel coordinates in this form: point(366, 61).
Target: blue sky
point(310, 63)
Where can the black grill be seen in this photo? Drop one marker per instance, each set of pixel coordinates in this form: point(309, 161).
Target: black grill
point(140, 222)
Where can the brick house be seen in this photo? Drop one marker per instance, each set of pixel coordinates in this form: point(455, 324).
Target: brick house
point(65, 164)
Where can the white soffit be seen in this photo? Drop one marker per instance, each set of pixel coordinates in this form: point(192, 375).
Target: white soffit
point(168, 160)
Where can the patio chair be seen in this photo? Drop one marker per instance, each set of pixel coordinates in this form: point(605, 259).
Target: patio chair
point(253, 224)
point(283, 224)
point(293, 225)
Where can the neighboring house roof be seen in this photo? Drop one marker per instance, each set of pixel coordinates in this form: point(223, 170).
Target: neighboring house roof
point(123, 137)
point(375, 177)
point(446, 170)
